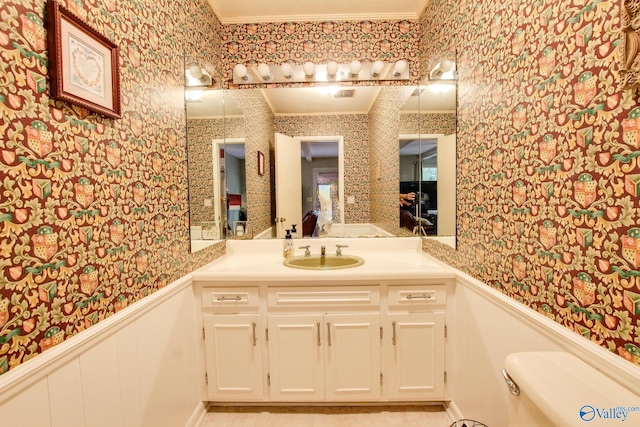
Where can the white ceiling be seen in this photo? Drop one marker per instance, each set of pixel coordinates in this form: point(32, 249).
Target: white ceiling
point(250, 11)
point(314, 100)
point(309, 101)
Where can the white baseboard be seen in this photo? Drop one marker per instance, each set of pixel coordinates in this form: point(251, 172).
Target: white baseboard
point(453, 411)
point(198, 415)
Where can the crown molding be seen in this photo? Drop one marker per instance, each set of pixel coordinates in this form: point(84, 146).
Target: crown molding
point(261, 19)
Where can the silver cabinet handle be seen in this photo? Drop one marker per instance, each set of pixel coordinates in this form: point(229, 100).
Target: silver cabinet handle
point(393, 337)
point(255, 339)
point(329, 334)
point(224, 298)
point(422, 296)
point(318, 326)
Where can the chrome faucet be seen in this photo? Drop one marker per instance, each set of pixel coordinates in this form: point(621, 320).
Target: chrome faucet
point(323, 250)
point(307, 251)
point(339, 249)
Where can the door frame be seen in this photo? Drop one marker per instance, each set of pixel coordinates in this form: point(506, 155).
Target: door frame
point(219, 200)
point(340, 140)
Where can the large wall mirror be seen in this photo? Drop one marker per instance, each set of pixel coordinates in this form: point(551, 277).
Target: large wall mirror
point(262, 160)
point(216, 162)
point(427, 149)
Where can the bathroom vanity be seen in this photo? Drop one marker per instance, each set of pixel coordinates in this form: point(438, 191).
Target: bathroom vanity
point(371, 333)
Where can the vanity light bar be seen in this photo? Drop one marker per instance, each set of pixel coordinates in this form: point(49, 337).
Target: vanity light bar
point(320, 73)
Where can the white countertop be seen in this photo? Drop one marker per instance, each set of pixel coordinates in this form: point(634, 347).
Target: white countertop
point(384, 259)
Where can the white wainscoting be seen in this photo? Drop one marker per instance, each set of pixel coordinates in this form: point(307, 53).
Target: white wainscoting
point(138, 368)
point(486, 327)
point(142, 366)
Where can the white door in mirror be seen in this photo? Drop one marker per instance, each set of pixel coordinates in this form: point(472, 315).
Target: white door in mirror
point(288, 185)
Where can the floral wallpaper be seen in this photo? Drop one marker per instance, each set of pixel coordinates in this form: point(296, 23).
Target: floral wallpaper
point(93, 211)
point(548, 208)
point(425, 123)
point(341, 41)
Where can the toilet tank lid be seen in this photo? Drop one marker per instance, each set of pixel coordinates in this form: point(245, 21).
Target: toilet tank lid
point(568, 390)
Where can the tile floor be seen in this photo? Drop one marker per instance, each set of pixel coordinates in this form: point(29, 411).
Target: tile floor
point(339, 416)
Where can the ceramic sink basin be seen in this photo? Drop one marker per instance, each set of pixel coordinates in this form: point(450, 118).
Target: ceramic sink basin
point(328, 262)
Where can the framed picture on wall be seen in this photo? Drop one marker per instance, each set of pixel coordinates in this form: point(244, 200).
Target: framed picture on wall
point(84, 64)
point(260, 163)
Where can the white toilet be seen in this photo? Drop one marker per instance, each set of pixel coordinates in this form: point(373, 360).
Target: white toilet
point(557, 389)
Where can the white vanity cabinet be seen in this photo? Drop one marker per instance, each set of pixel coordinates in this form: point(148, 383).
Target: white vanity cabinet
point(296, 358)
point(352, 357)
point(415, 344)
point(324, 357)
point(234, 344)
point(234, 357)
point(325, 342)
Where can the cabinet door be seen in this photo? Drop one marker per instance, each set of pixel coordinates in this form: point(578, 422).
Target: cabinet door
point(352, 357)
point(296, 358)
point(234, 357)
point(416, 356)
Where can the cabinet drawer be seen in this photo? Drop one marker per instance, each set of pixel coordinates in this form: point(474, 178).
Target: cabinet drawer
point(347, 296)
point(416, 297)
point(241, 297)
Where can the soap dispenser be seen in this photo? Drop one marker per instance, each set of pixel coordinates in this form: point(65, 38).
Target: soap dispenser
point(294, 232)
point(287, 246)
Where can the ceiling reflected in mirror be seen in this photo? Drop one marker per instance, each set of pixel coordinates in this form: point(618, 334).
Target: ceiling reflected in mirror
point(318, 100)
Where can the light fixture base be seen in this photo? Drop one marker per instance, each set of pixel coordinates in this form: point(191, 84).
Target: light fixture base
point(321, 75)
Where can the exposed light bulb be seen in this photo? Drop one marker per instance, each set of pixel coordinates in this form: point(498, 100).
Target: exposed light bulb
point(332, 68)
point(354, 68)
point(444, 70)
point(445, 66)
point(377, 68)
point(401, 67)
point(195, 70)
point(309, 69)
point(287, 71)
point(240, 71)
point(264, 71)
